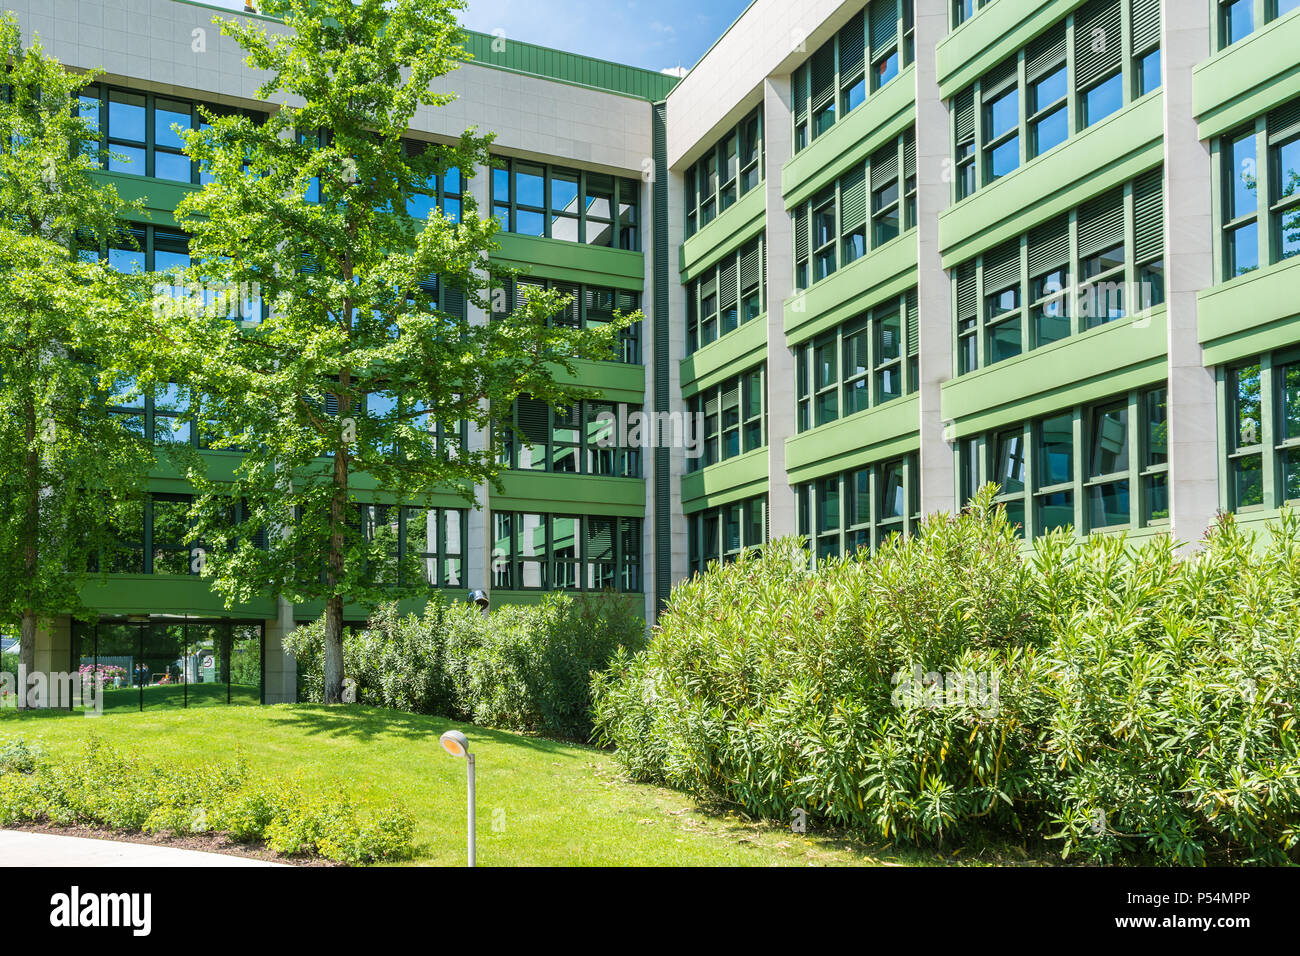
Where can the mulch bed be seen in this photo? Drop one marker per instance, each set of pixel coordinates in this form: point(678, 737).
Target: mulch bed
point(203, 842)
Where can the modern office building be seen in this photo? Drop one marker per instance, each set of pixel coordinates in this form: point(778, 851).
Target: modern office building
point(885, 252)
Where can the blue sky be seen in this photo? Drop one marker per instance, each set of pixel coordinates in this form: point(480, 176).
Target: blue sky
point(655, 34)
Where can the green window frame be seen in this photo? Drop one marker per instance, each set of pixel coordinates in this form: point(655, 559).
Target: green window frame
point(1257, 194)
point(1092, 265)
point(536, 551)
point(569, 205)
point(572, 440)
point(728, 170)
point(1098, 467)
point(866, 362)
point(722, 533)
point(859, 509)
point(864, 56)
point(1110, 53)
point(730, 418)
point(1259, 400)
point(866, 207)
point(726, 294)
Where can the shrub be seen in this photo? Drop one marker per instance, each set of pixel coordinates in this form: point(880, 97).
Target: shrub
point(104, 787)
point(1109, 696)
point(522, 668)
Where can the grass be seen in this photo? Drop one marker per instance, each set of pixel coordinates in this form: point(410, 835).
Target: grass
point(540, 802)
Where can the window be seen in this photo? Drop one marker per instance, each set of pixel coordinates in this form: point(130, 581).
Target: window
point(963, 10)
point(858, 510)
point(1261, 408)
point(589, 306)
point(866, 54)
point(726, 172)
point(534, 199)
point(866, 207)
point(142, 134)
point(1032, 90)
point(1082, 465)
point(725, 295)
point(865, 362)
point(1001, 100)
point(1108, 279)
point(565, 552)
point(587, 438)
point(721, 534)
point(1246, 437)
point(734, 417)
point(1236, 20)
point(439, 192)
point(1048, 92)
point(1258, 208)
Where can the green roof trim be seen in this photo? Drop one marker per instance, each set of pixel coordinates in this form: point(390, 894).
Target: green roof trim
point(533, 60)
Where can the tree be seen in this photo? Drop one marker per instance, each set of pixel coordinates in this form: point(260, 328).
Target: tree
point(359, 360)
point(67, 466)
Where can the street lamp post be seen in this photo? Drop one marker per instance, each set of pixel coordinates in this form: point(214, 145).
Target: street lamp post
point(457, 744)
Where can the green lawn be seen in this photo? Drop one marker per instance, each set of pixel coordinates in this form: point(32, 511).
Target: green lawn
point(539, 801)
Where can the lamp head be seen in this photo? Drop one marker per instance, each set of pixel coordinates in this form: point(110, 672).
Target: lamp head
point(478, 597)
point(455, 743)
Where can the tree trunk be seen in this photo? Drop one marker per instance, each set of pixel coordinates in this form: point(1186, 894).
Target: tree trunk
point(26, 653)
point(334, 649)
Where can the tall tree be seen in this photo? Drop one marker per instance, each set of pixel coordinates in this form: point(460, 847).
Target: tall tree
point(67, 466)
point(360, 358)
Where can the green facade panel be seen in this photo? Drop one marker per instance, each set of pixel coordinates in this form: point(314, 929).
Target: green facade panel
point(571, 261)
point(725, 356)
point(728, 481)
point(563, 494)
point(1251, 314)
point(1248, 78)
point(725, 234)
point(881, 432)
point(882, 273)
point(998, 31)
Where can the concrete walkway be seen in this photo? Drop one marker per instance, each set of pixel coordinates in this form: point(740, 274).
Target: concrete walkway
point(20, 848)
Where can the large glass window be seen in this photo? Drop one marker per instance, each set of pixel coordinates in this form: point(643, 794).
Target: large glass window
point(589, 306)
point(865, 55)
point(535, 199)
point(1258, 208)
point(721, 534)
point(588, 438)
point(725, 295)
point(729, 419)
point(859, 509)
point(533, 552)
point(725, 173)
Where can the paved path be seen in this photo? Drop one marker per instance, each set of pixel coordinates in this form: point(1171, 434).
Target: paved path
point(20, 848)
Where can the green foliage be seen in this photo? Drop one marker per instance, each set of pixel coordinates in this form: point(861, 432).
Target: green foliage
point(1124, 701)
point(524, 668)
point(361, 356)
point(66, 464)
point(104, 787)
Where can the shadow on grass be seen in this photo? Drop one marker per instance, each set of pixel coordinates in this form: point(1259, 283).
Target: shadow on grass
point(365, 723)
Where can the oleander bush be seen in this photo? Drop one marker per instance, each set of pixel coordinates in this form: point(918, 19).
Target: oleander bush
point(1113, 697)
point(521, 668)
point(105, 787)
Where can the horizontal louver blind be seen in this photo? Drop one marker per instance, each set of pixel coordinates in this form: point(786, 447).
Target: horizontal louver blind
point(727, 284)
point(965, 112)
point(913, 323)
point(853, 198)
point(570, 314)
point(909, 155)
point(1098, 46)
point(853, 43)
point(1284, 122)
point(1049, 246)
point(801, 232)
point(626, 301)
point(967, 291)
point(600, 539)
point(534, 419)
point(1045, 54)
point(1146, 24)
point(750, 266)
point(801, 92)
point(452, 301)
point(884, 167)
point(823, 76)
point(1101, 223)
point(1148, 217)
point(884, 25)
point(1002, 267)
point(999, 79)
